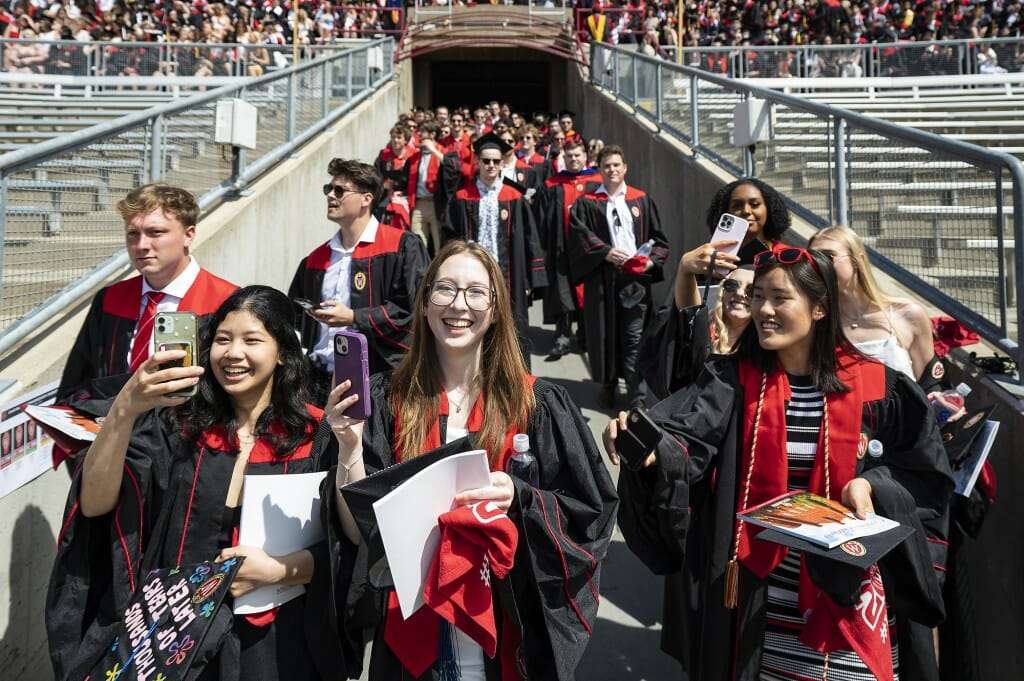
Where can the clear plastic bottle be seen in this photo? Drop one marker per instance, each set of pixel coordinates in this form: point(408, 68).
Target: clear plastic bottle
point(646, 248)
point(949, 402)
point(523, 464)
point(875, 449)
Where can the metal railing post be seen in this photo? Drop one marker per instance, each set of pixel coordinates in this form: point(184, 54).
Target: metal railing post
point(633, 68)
point(348, 77)
point(3, 224)
point(694, 116)
point(156, 142)
point(325, 83)
point(658, 110)
point(841, 202)
point(290, 125)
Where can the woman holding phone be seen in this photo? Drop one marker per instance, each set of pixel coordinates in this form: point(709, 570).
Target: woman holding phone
point(793, 409)
point(161, 486)
point(465, 376)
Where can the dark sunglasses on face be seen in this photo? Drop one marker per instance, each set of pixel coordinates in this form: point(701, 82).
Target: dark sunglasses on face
point(732, 286)
point(340, 191)
point(788, 255)
point(490, 161)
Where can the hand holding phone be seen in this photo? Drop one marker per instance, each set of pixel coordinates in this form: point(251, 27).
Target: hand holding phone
point(635, 443)
point(177, 331)
point(351, 363)
point(730, 228)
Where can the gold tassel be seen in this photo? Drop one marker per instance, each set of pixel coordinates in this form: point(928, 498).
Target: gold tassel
point(732, 587)
point(824, 670)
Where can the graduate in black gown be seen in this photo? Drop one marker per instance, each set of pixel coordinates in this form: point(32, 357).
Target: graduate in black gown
point(499, 218)
point(162, 486)
point(794, 408)
point(464, 375)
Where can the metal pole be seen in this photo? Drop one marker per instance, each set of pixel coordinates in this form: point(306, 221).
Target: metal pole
point(156, 141)
point(3, 226)
point(842, 214)
point(694, 117)
point(633, 68)
point(658, 112)
point(348, 77)
point(290, 126)
point(325, 82)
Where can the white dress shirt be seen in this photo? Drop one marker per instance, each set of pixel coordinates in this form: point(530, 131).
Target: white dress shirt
point(173, 293)
point(623, 236)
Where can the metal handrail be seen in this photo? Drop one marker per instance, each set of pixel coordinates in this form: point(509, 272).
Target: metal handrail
point(989, 159)
point(243, 173)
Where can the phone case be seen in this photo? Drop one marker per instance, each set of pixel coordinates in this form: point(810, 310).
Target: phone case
point(177, 331)
point(636, 442)
point(351, 362)
point(730, 227)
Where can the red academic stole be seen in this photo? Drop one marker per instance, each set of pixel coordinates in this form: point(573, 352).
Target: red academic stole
point(830, 626)
point(415, 641)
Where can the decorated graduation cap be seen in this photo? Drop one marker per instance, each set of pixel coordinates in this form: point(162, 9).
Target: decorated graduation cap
point(958, 436)
point(491, 141)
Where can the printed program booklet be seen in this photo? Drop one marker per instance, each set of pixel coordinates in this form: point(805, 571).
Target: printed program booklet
point(818, 520)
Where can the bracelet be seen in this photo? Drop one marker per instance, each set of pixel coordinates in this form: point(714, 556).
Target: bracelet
point(347, 469)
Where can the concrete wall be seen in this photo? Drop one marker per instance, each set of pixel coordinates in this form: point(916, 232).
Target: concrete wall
point(682, 188)
point(256, 239)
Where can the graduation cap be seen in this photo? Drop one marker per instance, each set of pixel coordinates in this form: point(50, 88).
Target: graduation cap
point(838, 571)
point(491, 141)
point(361, 494)
point(566, 113)
point(958, 436)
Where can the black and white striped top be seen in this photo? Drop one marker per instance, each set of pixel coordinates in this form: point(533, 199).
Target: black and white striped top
point(785, 658)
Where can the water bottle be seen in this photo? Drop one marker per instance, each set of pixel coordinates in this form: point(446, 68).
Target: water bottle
point(646, 248)
point(875, 449)
point(523, 464)
point(949, 402)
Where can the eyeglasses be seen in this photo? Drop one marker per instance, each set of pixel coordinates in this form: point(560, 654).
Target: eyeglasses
point(732, 286)
point(478, 298)
point(490, 161)
point(340, 191)
point(787, 255)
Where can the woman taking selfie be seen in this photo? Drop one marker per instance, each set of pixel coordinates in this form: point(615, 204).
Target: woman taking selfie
point(794, 408)
point(161, 486)
point(463, 375)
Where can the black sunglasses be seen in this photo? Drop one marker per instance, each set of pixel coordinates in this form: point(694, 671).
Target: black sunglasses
point(732, 286)
point(340, 191)
point(491, 161)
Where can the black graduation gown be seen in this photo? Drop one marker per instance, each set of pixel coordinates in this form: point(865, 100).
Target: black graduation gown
point(519, 252)
point(552, 207)
point(677, 516)
point(102, 346)
point(171, 512)
point(385, 277)
point(564, 527)
point(589, 242)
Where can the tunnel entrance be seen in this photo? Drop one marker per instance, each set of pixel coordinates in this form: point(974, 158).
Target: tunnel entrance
point(524, 85)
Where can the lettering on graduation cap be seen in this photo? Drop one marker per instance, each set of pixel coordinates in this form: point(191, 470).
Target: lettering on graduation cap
point(166, 624)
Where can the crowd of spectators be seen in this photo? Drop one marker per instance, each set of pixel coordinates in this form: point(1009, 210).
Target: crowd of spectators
point(653, 26)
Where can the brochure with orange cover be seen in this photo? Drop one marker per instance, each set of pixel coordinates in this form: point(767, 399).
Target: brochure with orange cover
point(67, 427)
point(818, 520)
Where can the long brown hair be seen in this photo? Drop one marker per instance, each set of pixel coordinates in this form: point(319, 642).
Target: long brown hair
point(416, 382)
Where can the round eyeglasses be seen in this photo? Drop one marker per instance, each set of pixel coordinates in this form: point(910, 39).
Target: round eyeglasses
point(477, 298)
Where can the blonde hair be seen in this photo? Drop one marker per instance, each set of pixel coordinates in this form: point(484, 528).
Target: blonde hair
point(720, 342)
point(863, 273)
point(416, 382)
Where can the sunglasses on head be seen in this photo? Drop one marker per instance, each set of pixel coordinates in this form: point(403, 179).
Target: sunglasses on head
point(732, 286)
point(787, 255)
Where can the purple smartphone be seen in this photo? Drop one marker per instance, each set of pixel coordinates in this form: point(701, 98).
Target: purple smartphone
point(351, 363)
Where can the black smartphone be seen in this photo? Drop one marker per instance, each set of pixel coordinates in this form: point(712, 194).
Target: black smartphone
point(634, 444)
point(306, 305)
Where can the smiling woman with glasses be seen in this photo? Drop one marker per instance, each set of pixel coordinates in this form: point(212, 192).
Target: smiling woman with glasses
point(464, 380)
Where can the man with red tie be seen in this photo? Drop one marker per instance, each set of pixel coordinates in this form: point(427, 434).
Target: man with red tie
point(160, 225)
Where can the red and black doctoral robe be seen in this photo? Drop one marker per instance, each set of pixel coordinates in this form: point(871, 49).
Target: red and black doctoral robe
point(589, 242)
point(519, 253)
point(105, 339)
point(552, 206)
point(384, 278)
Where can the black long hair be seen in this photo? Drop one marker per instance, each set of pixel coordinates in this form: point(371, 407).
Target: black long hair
point(828, 331)
point(778, 214)
point(289, 394)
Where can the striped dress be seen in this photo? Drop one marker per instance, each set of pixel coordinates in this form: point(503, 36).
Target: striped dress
point(785, 658)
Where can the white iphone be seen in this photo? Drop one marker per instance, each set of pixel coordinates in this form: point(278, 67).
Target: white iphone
point(729, 227)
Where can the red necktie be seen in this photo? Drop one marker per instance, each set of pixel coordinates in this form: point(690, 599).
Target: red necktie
point(144, 331)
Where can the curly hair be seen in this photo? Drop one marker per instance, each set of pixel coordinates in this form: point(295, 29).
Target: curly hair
point(213, 406)
point(778, 214)
point(175, 202)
